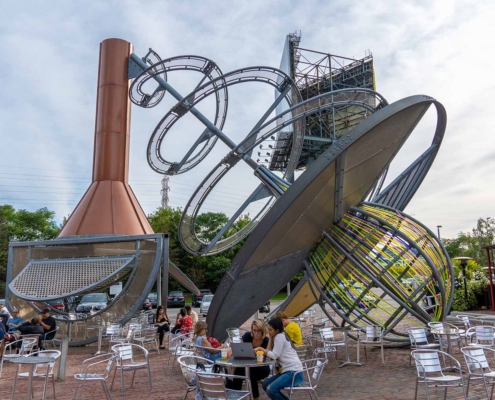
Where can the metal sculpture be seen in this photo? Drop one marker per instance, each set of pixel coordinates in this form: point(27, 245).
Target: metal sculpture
point(352, 268)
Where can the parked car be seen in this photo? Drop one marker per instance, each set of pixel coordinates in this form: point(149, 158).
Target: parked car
point(176, 299)
point(147, 305)
point(205, 304)
point(265, 308)
point(2, 302)
point(92, 302)
point(153, 298)
point(57, 304)
point(198, 298)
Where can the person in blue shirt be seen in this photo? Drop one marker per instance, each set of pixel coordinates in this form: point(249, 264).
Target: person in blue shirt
point(15, 321)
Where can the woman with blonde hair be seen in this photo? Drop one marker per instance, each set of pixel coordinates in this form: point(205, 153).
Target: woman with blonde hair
point(200, 339)
point(258, 338)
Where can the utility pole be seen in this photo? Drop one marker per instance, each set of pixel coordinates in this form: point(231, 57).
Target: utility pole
point(164, 191)
point(438, 230)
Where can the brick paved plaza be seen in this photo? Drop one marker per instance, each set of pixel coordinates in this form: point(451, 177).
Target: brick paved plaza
point(395, 380)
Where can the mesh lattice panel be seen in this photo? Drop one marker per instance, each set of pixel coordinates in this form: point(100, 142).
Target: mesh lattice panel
point(51, 279)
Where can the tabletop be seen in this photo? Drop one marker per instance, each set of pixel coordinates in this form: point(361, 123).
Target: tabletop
point(232, 362)
point(445, 331)
point(32, 360)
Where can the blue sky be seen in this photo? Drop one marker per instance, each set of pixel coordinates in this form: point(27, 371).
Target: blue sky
point(48, 83)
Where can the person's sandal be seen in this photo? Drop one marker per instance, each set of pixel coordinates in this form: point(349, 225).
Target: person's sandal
point(162, 347)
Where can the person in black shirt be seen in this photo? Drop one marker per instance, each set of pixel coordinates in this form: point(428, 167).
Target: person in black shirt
point(49, 325)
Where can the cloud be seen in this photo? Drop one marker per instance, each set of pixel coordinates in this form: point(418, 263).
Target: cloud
point(48, 81)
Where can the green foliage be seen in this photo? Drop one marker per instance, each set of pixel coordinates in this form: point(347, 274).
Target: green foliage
point(470, 244)
point(22, 225)
point(475, 289)
point(205, 272)
point(459, 304)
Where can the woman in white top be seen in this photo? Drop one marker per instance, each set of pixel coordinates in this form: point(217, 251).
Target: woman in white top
point(280, 349)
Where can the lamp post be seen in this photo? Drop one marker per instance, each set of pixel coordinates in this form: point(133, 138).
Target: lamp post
point(464, 261)
point(438, 230)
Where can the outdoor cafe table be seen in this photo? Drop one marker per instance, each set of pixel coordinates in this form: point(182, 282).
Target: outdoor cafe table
point(345, 330)
point(32, 362)
point(448, 332)
point(100, 337)
point(236, 363)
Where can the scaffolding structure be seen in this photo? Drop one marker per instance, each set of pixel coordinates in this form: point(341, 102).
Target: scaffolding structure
point(316, 73)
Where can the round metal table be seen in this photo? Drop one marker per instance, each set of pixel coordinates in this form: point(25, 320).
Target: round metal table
point(100, 337)
point(236, 363)
point(32, 362)
point(448, 332)
point(345, 330)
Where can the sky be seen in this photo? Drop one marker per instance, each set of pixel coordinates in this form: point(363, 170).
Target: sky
point(443, 49)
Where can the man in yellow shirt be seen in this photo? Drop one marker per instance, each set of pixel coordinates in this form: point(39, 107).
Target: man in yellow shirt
point(291, 328)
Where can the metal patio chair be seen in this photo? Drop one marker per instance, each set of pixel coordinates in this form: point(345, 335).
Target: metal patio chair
point(374, 337)
point(42, 372)
point(419, 340)
point(328, 343)
point(52, 340)
point(10, 349)
point(468, 322)
point(183, 347)
point(126, 361)
point(483, 336)
point(123, 335)
point(213, 386)
point(430, 371)
point(189, 366)
point(148, 338)
point(312, 371)
point(479, 368)
point(96, 369)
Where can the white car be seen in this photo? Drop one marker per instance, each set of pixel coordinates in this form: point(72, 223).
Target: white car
point(205, 304)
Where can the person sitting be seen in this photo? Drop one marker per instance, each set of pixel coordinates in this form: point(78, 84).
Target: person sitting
point(291, 328)
point(163, 323)
point(258, 338)
point(200, 339)
point(15, 321)
point(193, 314)
point(49, 325)
point(280, 348)
point(183, 323)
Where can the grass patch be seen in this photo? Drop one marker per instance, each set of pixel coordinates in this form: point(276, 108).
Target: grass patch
point(279, 296)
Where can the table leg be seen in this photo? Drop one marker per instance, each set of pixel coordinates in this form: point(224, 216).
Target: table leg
point(30, 381)
point(347, 359)
point(100, 340)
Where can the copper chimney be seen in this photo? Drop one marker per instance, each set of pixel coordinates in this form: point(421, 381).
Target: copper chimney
point(109, 206)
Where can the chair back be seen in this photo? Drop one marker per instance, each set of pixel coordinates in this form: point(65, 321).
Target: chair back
point(302, 351)
point(149, 333)
point(373, 332)
point(326, 334)
point(475, 359)
point(313, 370)
point(190, 365)
point(109, 367)
point(28, 343)
point(418, 336)
point(112, 329)
point(233, 332)
point(211, 386)
point(42, 367)
point(427, 362)
point(125, 353)
point(485, 335)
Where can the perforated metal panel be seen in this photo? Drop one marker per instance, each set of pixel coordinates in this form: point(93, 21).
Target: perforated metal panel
point(52, 279)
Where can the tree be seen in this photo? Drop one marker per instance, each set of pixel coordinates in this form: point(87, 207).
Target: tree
point(205, 271)
point(22, 225)
point(470, 244)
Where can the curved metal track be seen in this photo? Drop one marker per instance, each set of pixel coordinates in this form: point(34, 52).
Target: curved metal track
point(299, 112)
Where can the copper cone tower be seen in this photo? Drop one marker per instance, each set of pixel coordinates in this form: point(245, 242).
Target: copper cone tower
point(109, 206)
